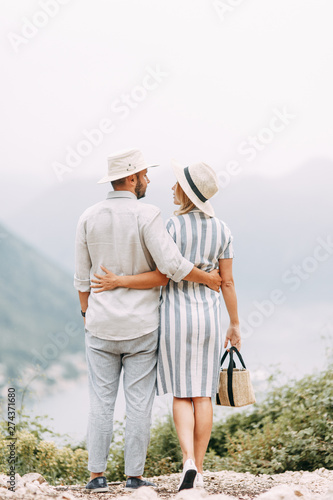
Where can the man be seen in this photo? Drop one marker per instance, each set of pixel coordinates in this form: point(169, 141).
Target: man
point(121, 331)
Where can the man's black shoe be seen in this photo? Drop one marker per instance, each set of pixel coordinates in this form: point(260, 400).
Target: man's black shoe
point(133, 483)
point(98, 485)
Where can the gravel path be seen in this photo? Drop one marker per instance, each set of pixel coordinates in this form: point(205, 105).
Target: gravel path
point(224, 485)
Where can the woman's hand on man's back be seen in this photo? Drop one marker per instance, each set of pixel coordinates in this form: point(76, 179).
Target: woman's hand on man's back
point(109, 281)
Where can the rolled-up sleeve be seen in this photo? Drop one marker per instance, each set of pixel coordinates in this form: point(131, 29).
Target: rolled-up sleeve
point(227, 239)
point(164, 250)
point(82, 259)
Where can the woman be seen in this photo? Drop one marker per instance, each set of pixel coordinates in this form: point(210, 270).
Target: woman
point(190, 333)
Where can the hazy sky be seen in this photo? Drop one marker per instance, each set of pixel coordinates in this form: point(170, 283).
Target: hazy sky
point(247, 82)
point(244, 85)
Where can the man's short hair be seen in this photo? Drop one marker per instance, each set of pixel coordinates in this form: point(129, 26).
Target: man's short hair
point(118, 182)
point(121, 182)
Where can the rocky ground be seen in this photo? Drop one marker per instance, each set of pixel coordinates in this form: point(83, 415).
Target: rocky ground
point(224, 485)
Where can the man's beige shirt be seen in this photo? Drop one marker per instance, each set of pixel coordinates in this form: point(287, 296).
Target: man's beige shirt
point(128, 237)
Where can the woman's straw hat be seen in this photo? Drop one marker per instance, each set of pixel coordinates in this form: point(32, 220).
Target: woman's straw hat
point(199, 182)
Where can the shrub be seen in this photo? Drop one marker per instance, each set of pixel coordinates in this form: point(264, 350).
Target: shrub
point(80, 464)
point(3, 454)
point(65, 463)
point(35, 454)
point(164, 455)
point(26, 447)
point(213, 462)
point(291, 430)
point(46, 460)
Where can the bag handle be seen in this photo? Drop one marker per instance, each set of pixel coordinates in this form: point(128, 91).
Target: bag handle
point(231, 351)
point(231, 367)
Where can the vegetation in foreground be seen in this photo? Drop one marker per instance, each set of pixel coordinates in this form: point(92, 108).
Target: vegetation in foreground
point(291, 429)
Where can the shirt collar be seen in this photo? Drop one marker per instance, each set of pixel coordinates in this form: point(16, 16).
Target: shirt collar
point(121, 194)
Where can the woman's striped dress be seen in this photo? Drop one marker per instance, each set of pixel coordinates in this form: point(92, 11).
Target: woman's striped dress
point(190, 333)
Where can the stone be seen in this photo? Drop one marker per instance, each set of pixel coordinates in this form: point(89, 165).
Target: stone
point(192, 494)
point(222, 485)
point(32, 488)
point(67, 496)
point(18, 481)
point(284, 492)
point(329, 493)
point(46, 487)
point(33, 476)
point(144, 493)
point(6, 494)
point(221, 496)
point(21, 491)
point(3, 481)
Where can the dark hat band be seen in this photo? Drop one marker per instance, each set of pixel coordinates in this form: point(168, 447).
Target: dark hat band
point(193, 186)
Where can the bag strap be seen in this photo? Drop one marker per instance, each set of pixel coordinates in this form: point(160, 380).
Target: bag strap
point(230, 370)
point(233, 348)
point(225, 354)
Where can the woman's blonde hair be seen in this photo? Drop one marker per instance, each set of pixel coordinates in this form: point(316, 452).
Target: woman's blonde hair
point(186, 205)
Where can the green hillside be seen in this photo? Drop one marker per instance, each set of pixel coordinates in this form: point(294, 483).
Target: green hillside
point(40, 319)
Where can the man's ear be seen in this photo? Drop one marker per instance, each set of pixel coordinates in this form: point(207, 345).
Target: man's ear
point(132, 179)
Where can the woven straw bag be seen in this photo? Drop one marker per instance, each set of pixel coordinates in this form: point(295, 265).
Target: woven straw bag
point(235, 387)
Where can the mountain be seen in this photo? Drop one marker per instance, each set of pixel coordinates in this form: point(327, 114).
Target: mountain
point(282, 230)
point(276, 223)
point(40, 319)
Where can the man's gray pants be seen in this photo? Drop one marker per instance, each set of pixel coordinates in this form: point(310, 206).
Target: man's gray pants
point(105, 359)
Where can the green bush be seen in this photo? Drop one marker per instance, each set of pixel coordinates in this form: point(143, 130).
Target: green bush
point(164, 455)
point(36, 454)
point(291, 430)
point(3, 452)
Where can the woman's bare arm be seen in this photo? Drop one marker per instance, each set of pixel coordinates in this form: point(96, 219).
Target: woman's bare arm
point(143, 281)
point(211, 279)
point(230, 299)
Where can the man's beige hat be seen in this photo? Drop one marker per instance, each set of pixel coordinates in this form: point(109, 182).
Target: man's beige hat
point(125, 163)
point(199, 182)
